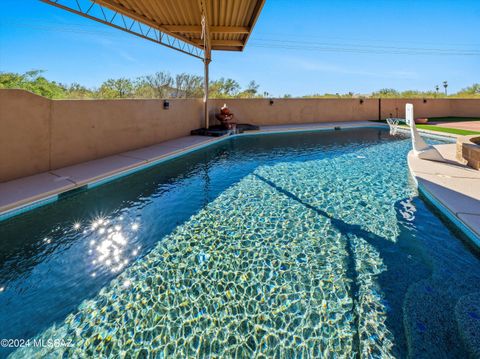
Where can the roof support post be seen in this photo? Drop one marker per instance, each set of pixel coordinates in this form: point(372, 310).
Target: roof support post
point(207, 53)
point(206, 63)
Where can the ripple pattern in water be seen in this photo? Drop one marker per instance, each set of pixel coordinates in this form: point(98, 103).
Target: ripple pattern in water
point(283, 263)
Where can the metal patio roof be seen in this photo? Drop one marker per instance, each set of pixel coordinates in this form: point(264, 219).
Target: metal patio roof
point(228, 23)
point(194, 27)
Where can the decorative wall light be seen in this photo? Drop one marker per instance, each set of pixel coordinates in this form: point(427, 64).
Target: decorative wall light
point(361, 101)
point(424, 100)
point(166, 105)
point(271, 101)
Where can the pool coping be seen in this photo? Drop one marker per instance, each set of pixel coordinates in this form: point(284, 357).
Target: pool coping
point(453, 189)
point(26, 193)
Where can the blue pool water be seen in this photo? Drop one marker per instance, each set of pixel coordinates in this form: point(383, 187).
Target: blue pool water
point(308, 244)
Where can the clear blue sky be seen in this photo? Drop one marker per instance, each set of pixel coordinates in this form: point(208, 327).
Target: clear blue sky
point(318, 46)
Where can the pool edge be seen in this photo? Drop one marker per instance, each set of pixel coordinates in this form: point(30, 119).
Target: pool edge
point(447, 213)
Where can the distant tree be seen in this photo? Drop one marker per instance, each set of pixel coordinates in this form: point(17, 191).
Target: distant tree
point(143, 90)
point(116, 88)
point(386, 93)
point(188, 86)
point(411, 94)
point(418, 94)
point(287, 95)
point(76, 90)
point(34, 82)
point(161, 84)
point(473, 90)
point(230, 87)
point(251, 90)
point(215, 89)
point(184, 85)
point(10, 80)
point(328, 95)
point(224, 88)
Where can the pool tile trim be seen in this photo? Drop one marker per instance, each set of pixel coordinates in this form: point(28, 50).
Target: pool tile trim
point(29, 206)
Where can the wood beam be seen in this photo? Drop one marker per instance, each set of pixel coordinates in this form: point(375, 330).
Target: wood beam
point(230, 29)
point(215, 43)
point(213, 29)
point(228, 48)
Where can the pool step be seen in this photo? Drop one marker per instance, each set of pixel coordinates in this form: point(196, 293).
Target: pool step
point(430, 324)
point(442, 316)
point(467, 313)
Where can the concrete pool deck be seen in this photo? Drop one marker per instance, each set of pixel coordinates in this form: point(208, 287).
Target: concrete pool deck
point(452, 187)
point(461, 125)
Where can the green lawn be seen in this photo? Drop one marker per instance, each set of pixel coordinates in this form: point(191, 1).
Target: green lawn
point(453, 119)
point(444, 119)
point(455, 131)
point(448, 130)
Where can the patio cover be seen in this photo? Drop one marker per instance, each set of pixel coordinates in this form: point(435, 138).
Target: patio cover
point(194, 27)
point(229, 23)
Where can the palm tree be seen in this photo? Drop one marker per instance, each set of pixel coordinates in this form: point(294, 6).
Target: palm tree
point(445, 84)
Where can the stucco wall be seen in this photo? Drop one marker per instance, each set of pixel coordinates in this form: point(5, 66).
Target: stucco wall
point(430, 108)
point(24, 134)
point(465, 108)
point(37, 134)
point(284, 111)
point(87, 129)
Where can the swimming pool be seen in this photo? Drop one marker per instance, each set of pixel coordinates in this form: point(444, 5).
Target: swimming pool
point(277, 245)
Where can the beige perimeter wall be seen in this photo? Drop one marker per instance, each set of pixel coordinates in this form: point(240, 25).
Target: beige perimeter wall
point(283, 111)
point(38, 134)
point(431, 107)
